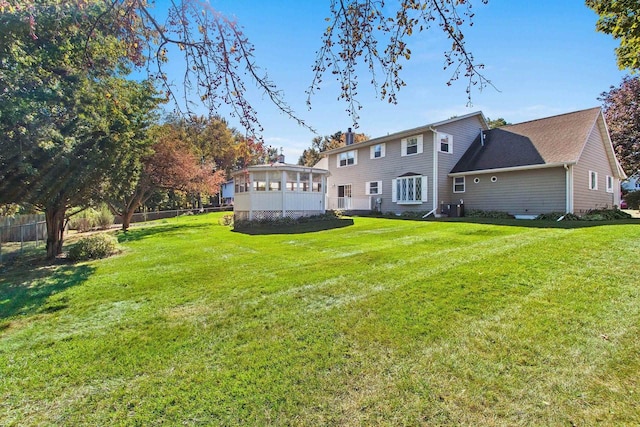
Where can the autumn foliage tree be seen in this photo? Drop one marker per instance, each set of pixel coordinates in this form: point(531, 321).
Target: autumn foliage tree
point(171, 164)
point(621, 107)
point(319, 144)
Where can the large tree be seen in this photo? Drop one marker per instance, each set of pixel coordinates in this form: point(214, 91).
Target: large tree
point(621, 107)
point(219, 59)
point(319, 144)
point(64, 126)
point(172, 163)
point(621, 19)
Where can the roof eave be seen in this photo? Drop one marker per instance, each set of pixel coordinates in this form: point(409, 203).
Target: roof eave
point(409, 132)
point(512, 169)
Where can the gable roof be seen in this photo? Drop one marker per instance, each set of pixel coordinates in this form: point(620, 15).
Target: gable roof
point(546, 142)
point(405, 133)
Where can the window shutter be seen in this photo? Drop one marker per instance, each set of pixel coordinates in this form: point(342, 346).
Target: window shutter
point(355, 157)
point(382, 149)
point(337, 160)
point(379, 187)
point(367, 188)
point(424, 189)
point(394, 196)
point(420, 144)
point(403, 147)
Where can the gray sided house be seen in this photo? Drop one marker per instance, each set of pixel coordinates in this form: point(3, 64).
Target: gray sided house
point(563, 163)
point(404, 171)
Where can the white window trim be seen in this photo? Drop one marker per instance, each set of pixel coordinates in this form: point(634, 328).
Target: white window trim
point(368, 188)
point(441, 136)
point(591, 181)
point(464, 184)
point(423, 193)
point(403, 145)
point(609, 183)
point(355, 158)
point(372, 152)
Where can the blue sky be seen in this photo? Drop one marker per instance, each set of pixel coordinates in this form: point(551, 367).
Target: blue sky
point(544, 56)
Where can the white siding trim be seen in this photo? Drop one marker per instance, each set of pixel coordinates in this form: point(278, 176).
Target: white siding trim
point(394, 194)
point(512, 169)
point(424, 188)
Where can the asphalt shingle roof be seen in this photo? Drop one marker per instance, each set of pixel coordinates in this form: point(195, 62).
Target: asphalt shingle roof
point(557, 139)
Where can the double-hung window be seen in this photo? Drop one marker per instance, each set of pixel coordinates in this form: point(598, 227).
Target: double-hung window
point(409, 190)
point(609, 184)
point(458, 184)
point(347, 158)
point(377, 151)
point(411, 145)
point(445, 143)
point(373, 188)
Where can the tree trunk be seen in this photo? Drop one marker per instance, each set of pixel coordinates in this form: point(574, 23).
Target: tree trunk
point(54, 216)
point(126, 218)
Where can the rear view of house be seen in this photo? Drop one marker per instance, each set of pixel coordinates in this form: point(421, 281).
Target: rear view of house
point(404, 171)
point(564, 163)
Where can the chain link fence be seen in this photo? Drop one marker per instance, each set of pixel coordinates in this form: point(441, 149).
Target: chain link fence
point(21, 233)
point(27, 232)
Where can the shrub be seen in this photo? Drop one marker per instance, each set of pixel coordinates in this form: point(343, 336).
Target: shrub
point(96, 246)
point(633, 199)
point(477, 213)
point(605, 215)
point(226, 220)
point(286, 221)
point(104, 218)
point(83, 221)
point(414, 214)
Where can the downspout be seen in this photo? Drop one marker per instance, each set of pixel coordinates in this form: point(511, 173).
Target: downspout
point(435, 169)
point(569, 188)
point(432, 211)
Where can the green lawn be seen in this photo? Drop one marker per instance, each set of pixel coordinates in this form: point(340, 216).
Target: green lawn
point(382, 322)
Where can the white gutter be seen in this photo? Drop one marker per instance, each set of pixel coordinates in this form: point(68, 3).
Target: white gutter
point(512, 169)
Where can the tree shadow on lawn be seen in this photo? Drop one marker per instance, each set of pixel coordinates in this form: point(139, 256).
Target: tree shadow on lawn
point(305, 227)
point(26, 286)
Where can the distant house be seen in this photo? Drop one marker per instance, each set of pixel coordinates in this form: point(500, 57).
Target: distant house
point(227, 193)
point(564, 163)
point(632, 183)
point(279, 190)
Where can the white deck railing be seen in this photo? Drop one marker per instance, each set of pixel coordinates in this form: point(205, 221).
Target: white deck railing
point(350, 203)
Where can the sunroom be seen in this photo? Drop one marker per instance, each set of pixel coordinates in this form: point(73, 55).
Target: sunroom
point(279, 190)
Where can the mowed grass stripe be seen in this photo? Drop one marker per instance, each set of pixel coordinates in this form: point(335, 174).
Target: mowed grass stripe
point(385, 322)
